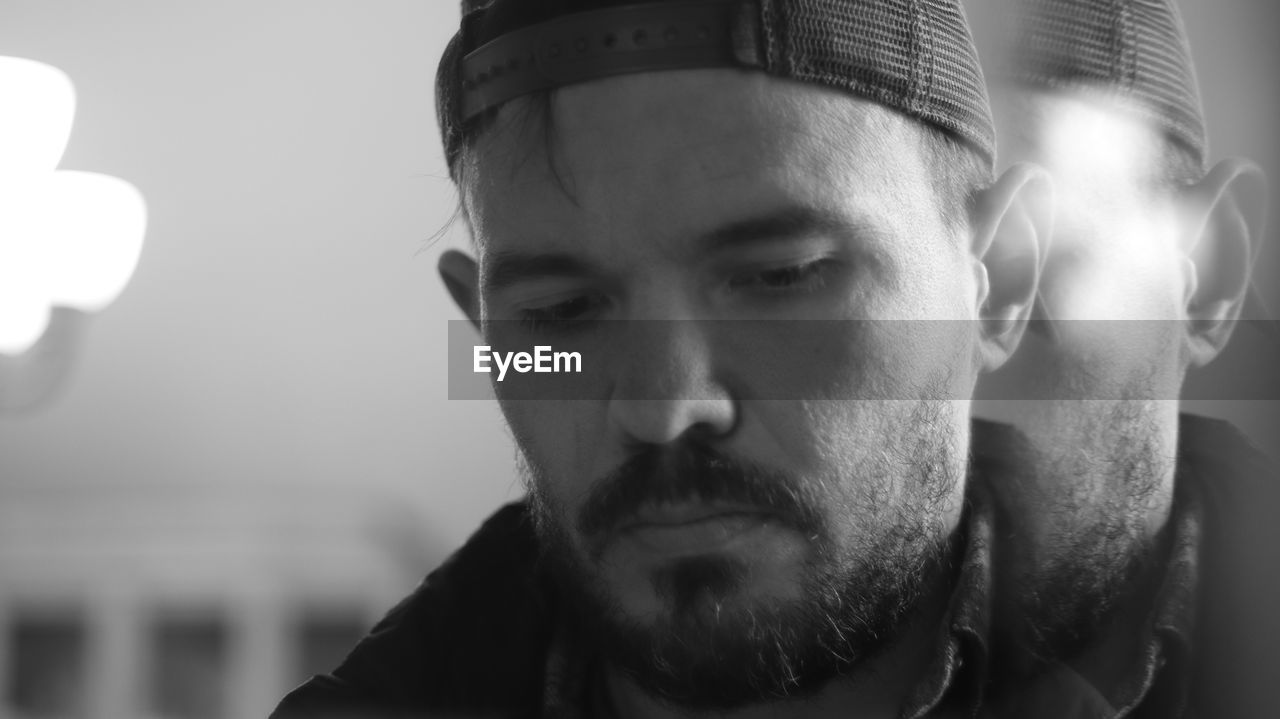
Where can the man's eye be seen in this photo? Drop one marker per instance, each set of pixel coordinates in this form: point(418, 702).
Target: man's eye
point(573, 309)
point(807, 276)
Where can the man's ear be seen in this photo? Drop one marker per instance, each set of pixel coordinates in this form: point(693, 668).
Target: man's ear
point(462, 278)
point(1013, 223)
point(1225, 218)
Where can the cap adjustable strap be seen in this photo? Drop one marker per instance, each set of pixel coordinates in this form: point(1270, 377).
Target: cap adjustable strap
point(613, 41)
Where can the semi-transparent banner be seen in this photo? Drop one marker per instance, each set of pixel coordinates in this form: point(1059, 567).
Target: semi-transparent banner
point(854, 359)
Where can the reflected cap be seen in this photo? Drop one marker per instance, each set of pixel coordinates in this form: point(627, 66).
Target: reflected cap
point(1135, 48)
point(913, 56)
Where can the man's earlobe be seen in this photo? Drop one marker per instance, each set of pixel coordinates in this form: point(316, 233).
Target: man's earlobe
point(462, 278)
point(1224, 216)
point(1013, 226)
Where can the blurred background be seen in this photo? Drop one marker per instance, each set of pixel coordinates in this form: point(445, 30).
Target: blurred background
point(240, 464)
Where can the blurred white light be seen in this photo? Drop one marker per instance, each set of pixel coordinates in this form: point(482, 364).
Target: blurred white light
point(37, 105)
point(24, 282)
point(94, 236)
point(25, 312)
point(1103, 157)
point(70, 239)
point(1090, 139)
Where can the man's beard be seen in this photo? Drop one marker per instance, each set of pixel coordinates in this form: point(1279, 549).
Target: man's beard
point(1092, 495)
point(715, 648)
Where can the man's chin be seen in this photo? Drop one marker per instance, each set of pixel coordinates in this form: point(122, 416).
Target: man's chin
point(717, 645)
point(669, 573)
point(713, 632)
point(703, 590)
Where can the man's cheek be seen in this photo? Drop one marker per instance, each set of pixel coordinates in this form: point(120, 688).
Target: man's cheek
point(559, 443)
point(804, 360)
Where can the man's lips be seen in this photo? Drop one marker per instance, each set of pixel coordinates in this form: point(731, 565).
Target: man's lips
point(692, 527)
point(690, 512)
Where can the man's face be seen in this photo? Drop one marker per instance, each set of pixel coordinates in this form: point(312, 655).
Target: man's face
point(1096, 377)
point(1113, 281)
point(716, 497)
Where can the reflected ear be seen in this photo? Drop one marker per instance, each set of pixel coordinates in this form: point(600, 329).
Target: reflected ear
point(1225, 220)
point(462, 278)
point(1013, 223)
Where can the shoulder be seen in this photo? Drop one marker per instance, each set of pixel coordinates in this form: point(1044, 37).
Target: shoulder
point(1234, 481)
point(1219, 453)
point(1237, 488)
point(470, 638)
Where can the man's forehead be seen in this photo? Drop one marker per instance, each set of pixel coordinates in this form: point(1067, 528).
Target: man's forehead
point(696, 106)
point(705, 132)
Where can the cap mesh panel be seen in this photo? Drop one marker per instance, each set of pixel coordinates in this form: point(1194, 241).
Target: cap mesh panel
point(913, 56)
point(1137, 48)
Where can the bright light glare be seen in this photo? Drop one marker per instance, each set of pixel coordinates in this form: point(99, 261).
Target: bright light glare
point(70, 239)
point(95, 225)
point(24, 282)
point(1089, 140)
point(37, 105)
point(24, 308)
point(1102, 156)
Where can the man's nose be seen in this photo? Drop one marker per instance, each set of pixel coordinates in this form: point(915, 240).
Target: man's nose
point(669, 385)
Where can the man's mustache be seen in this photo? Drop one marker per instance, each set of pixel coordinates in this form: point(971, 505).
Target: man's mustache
point(693, 472)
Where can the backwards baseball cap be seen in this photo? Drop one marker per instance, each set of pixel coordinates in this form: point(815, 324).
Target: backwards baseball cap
point(913, 56)
point(1136, 49)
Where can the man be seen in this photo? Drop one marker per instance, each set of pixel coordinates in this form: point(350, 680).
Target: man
point(1136, 574)
point(770, 232)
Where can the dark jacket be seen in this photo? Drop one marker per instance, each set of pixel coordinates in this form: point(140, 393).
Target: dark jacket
point(1234, 667)
point(428, 659)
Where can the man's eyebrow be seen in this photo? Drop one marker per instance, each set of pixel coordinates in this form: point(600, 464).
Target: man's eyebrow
point(506, 268)
point(794, 222)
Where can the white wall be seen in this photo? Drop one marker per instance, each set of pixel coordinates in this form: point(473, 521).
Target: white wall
point(285, 325)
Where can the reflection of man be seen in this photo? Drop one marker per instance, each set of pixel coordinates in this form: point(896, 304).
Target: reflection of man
point(699, 548)
point(1135, 518)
